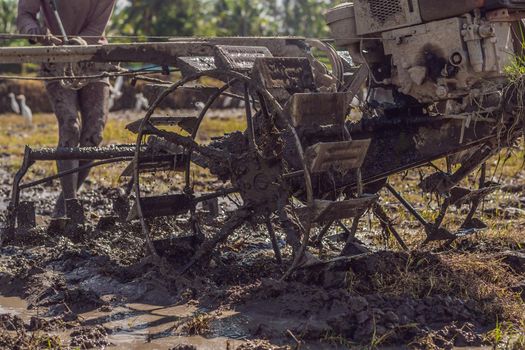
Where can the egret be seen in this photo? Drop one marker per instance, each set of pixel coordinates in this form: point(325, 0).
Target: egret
point(14, 104)
point(25, 110)
point(141, 102)
point(117, 88)
point(111, 102)
point(200, 105)
point(115, 91)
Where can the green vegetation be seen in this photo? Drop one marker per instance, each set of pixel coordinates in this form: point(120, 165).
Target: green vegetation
point(207, 17)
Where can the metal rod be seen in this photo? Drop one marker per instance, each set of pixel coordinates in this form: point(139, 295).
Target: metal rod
point(476, 202)
point(273, 238)
point(54, 7)
point(385, 221)
point(294, 174)
point(82, 153)
point(15, 195)
point(164, 53)
point(74, 171)
point(249, 118)
point(351, 234)
point(219, 193)
point(322, 234)
point(407, 205)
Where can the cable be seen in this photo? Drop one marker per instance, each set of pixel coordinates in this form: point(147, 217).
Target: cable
point(15, 36)
point(135, 73)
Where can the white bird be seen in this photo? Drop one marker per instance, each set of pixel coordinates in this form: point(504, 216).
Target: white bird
point(14, 104)
point(227, 102)
point(111, 102)
point(200, 105)
point(25, 110)
point(141, 102)
point(115, 92)
point(119, 83)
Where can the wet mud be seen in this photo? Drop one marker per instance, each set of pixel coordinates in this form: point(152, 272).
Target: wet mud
point(100, 288)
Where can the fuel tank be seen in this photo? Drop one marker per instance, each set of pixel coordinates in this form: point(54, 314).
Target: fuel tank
point(432, 10)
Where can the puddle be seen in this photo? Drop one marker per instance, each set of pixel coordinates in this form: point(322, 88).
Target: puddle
point(14, 306)
point(139, 326)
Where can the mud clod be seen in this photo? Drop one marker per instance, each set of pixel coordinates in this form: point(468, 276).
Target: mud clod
point(90, 338)
point(184, 347)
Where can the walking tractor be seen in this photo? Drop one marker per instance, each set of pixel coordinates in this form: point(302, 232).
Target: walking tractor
point(423, 80)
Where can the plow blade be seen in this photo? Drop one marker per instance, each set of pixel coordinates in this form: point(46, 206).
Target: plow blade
point(160, 206)
point(187, 124)
point(239, 58)
point(461, 196)
point(329, 211)
point(341, 156)
point(194, 65)
point(310, 109)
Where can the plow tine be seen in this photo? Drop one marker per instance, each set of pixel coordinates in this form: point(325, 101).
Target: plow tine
point(385, 221)
point(273, 238)
point(322, 234)
point(206, 249)
point(350, 240)
point(407, 205)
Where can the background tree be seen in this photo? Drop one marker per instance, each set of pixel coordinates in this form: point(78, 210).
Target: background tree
point(157, 17)
point(8, 9)
point(223, 17)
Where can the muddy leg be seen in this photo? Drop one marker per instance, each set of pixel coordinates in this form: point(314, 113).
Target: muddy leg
point(94, 109)
point(65, 106)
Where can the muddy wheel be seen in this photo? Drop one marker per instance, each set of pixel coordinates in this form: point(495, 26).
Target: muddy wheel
point(244, 162)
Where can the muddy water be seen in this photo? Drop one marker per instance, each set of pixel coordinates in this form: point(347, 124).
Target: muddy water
point(14, 306)
point(140, 326)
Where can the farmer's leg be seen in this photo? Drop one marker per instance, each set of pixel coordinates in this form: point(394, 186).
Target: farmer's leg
point(94, 109)
point(65, 106)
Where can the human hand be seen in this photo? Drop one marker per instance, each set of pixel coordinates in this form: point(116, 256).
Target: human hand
point(76, 40)
point(43, 37)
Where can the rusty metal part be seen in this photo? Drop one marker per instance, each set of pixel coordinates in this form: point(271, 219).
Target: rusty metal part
point(338, 156)
point(104, 155)
point(273, 239)
point(166, 205)
point(309, 109)
point(165, 53)
point(239, 58)
point(330, 211)
point(188, 124)
point(387, 225)
point(298, 146)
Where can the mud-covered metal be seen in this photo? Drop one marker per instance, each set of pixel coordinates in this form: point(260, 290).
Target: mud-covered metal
point(319, 144)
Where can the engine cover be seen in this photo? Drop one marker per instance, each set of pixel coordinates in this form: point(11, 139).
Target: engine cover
point(373, 16)
point(446, 59)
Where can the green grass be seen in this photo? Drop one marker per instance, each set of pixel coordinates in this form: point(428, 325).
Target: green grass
point(15, 135)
